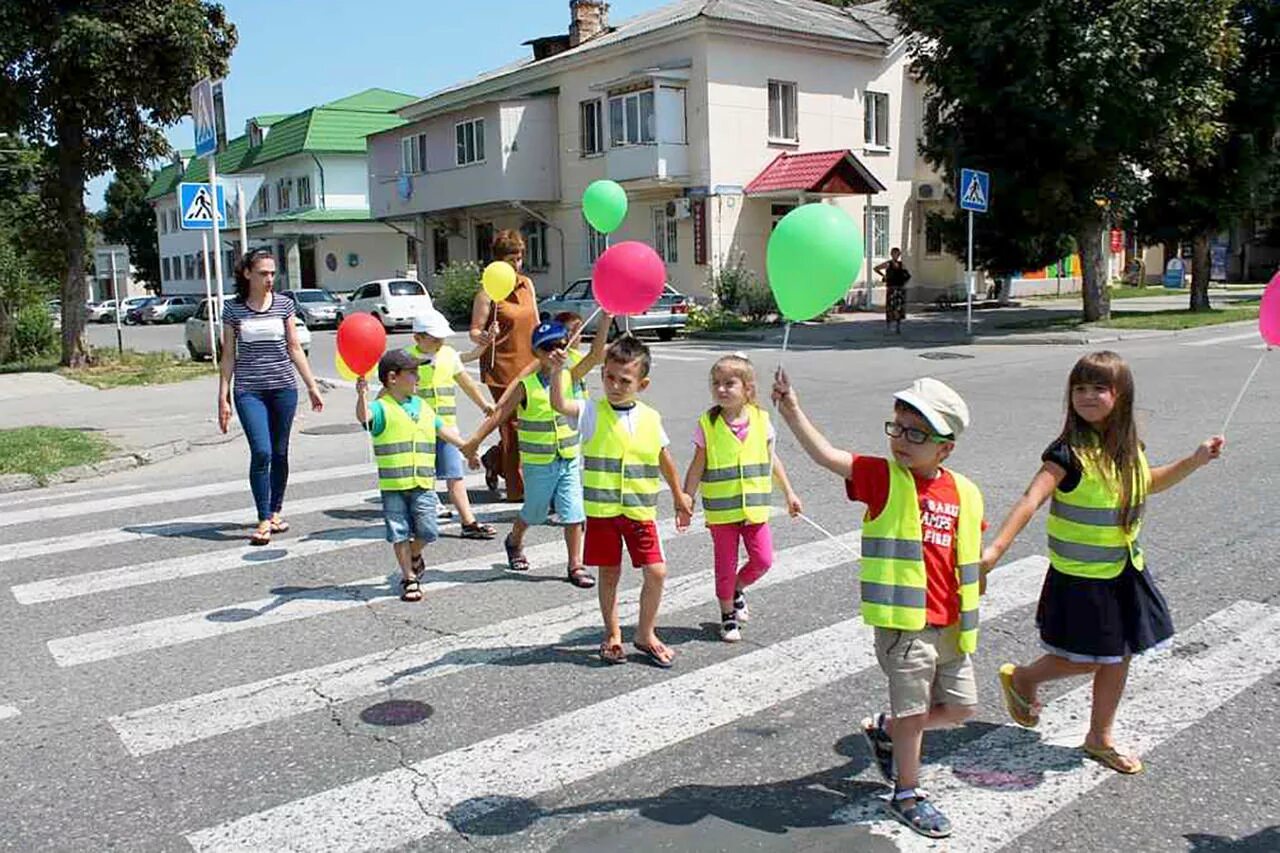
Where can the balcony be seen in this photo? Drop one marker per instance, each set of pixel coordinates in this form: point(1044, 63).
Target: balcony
point(660, 161)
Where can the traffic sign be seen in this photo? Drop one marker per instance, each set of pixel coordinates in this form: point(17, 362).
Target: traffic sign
point(202, 116)
point(196, 206)
point(975, 190)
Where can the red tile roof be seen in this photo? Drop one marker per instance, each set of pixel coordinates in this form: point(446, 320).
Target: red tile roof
point(815, 172)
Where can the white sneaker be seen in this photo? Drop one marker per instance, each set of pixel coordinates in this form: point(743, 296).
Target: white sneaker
point(740, 611)
point(729, 631)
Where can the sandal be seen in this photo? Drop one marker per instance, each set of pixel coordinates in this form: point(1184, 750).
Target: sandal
point(652, 657)
point(279, 525)
point(612, 653)
point(1024, 713)
point(923, 817)
point(478, 530)
point(881, 746)
point(261, 536)
point(419, 566)
point(1116, 760)
point(516, 560)
point(410, 589)
point(581, 578)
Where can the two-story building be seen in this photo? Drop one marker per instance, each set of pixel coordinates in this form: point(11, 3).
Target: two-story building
point(311, 208)
point(717, 116)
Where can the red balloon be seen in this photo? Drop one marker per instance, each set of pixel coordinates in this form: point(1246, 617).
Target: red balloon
point(361, 342)
point(1269, 313)
point(628, 278)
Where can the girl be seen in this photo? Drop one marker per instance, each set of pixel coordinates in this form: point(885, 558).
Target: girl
point(1098, 606)
point(734, 459)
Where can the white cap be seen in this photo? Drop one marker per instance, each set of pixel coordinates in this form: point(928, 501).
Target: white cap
point(942, 407)
point(432, 323)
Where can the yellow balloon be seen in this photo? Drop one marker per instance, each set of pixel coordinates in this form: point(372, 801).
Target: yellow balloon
point(341, 366)
point(499, 279)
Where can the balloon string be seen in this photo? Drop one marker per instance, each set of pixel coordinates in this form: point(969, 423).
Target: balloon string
point(587, 322)
point(827, 533)
point(786, 337)
point(1240, 397)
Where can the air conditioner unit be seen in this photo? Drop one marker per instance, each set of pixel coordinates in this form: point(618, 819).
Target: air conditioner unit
point(930, 192)
point(680, 208)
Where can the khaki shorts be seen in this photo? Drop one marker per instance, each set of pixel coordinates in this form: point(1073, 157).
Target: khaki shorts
point(925, 668)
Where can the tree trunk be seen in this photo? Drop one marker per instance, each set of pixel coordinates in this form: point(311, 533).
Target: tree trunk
point(71, 142)
point(1201, 263)
point(1093, 268)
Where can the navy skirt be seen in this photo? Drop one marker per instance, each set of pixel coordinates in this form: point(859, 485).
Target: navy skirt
point(1102, 621)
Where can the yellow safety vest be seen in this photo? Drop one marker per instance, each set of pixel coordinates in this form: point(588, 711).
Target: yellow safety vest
point(620, 471)
point(894, 579)
point(405, 450)
point(436, 383)
point(580, 387)
point(737, 482)
point(1086, 538)
point(544, 434)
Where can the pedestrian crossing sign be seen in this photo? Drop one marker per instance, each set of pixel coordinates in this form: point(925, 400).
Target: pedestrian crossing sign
point(975, 190)
point(196, 207)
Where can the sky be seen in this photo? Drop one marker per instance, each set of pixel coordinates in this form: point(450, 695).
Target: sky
point(295, 54)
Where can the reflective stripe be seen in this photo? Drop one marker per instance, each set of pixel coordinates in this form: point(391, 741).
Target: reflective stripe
point(396, 473)
point(893, 596)
point(722, 475)
point(969, 620)
point(536, 426)
point(634, 500)
point(734, 502)
point(893, 549)
point(1083, 553)
point(1094, 517)
point(969, 573)
point(446, 410)
point(393, 448)
point(602, 496)
point(570, 441)
point(641, 472)
point(530, 447)
point(597, 463)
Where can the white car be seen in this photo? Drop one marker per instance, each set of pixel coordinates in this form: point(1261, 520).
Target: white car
point(197, 334)
point(105, 312)
point(394, 301)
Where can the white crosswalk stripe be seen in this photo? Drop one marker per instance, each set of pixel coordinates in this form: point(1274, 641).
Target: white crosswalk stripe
point(43, 495)
point(1223, 339)
point(7, 711)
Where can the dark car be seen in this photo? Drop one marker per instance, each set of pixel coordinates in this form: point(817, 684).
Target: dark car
point(133, 316)
point(316, 307)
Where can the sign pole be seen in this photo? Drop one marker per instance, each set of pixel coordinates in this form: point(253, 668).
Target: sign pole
point(969, 279)
point(217, 238)
point(244, 228)
point(208, 295)
point(115, 294)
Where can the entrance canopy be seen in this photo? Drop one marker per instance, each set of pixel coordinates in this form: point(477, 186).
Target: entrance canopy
point(815, 173)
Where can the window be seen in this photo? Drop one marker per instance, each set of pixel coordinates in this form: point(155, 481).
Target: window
point(596, 242)
point(932, 236)
point(406, 287)
point(190, 266)
point(164, 270)
point(777, 212)
point(413, 154)
point(876, 119)
point(263, 203)
point(173, 219)
point(782, 112)
point(484, 242)
point(440, 248)
point(665, 235)
point(162, 221)
point(879, 232)
point(535, 245)
point(304, 191)
point(592, 129)
point(631, 119)
point(470, 139)
point(284, 189)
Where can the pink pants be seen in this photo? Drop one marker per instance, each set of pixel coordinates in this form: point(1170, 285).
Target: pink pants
point(758, 540)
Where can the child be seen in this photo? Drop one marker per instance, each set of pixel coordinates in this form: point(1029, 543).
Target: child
point(572, 322)
point(624, 449)
point(404, 431)
point(921, 542)
point(440, 374)
point(733, 456)
point(1098, 606)
point(548, 452)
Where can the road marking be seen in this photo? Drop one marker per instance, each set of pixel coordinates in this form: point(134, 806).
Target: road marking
point(662, 356)
point(196, 718)
point(7, 711)
point(999, 787)
point(193, 565)
point(468, 782)
point(287, 607)
point(53, 496)
point(172, 496)
point(1208, 342)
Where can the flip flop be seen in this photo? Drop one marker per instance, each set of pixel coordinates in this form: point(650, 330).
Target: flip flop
point(478, 530)
point(652, 657)
point(261, 537)
point(279, 525)
point(1111, 757)
point(1020, 710)
point(612, 653)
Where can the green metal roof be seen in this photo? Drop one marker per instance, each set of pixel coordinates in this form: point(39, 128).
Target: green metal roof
point(320, 216)
point(165, 182)
point(268, 119)
point(372, 101)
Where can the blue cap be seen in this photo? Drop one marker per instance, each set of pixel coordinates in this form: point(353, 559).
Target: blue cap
point(547, 333)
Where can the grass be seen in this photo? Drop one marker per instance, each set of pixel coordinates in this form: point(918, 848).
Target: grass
point(40, 451)
point(1127, 292)
point(112, 370)
point(1168, 320)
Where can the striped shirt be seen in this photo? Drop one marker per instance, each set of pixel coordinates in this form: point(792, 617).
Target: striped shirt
point(262, 351)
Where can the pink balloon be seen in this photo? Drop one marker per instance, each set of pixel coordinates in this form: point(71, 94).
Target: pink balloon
point(628, 278)
point(1269, 313)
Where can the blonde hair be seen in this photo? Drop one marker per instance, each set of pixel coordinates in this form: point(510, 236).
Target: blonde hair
point(737, 366)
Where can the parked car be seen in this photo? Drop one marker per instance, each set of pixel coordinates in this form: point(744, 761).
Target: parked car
point(316, 307)
point(102, 312)
point(133, 316)
point(667, 316)
point(394, 301)
point(170, 309)
point(197, 334)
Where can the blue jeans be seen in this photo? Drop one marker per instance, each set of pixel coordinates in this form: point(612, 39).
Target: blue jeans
point(267, 418)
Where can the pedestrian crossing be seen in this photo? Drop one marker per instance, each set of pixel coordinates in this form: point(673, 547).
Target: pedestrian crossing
point(996, 788)
point(1235, 340)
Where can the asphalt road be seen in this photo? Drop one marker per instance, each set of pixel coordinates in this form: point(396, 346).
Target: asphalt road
point(166, 687)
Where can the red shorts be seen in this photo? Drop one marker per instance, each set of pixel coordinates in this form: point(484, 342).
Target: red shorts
point(606, 535)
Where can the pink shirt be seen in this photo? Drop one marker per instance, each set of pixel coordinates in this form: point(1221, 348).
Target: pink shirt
point(738, 429)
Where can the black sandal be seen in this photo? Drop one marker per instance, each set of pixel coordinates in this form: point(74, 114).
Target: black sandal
point(419, 566)
point(581, 578)
point(410, 589)
point(516, 560)
point(478, 530)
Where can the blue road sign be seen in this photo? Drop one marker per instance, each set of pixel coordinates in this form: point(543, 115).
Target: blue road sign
point(196, 206)
point(975, 190)
point(202, 117)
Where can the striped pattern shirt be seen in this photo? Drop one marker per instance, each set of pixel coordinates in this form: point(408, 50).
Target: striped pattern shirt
point(262, 352)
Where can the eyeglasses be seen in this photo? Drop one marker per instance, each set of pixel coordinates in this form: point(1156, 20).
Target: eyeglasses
point(552, 346)
point(913, 435)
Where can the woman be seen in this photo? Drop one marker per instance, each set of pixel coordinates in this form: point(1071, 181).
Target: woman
point(895, 275)
point(260, 348)
point(507, 327)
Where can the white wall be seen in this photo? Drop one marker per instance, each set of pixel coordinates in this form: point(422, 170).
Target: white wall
point(346, 182)
point(380, 256)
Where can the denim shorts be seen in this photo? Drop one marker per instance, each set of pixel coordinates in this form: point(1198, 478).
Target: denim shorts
point(450, 464)
point(410, 514)
point(558, 485)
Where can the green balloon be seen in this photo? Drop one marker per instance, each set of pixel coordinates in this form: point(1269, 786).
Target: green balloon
point(605, 205)
point(814, 255)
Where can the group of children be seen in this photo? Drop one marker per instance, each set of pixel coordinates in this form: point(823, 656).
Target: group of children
point(599, 464)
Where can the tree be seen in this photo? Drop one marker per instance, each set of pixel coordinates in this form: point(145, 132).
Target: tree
point(95, 80)
point(1068, 103)
point(129, 219)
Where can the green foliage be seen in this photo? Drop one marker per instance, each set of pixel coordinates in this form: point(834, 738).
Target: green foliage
point(33, 334)
point(129, 219)
point(738, 291)
point(42, 450)
point(459, 284)
point(713, 318)
point(20, 292)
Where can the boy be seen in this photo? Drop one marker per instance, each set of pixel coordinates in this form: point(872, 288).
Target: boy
point(548, 452)
point(624, 448)
point(404, 431)
point(921, 544)
point(440, 374)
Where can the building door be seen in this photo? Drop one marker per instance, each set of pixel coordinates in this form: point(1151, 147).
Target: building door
point(307, 263)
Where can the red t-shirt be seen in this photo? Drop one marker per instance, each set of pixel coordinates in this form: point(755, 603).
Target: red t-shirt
point(939, 522)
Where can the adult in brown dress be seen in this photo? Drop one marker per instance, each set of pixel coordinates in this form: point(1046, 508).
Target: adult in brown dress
point(895, 275)
point(507, 328)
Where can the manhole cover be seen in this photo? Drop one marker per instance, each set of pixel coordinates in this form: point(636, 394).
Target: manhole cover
point(234, 614)
point(332, 429)
point(396, 712)
point(944, 356)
